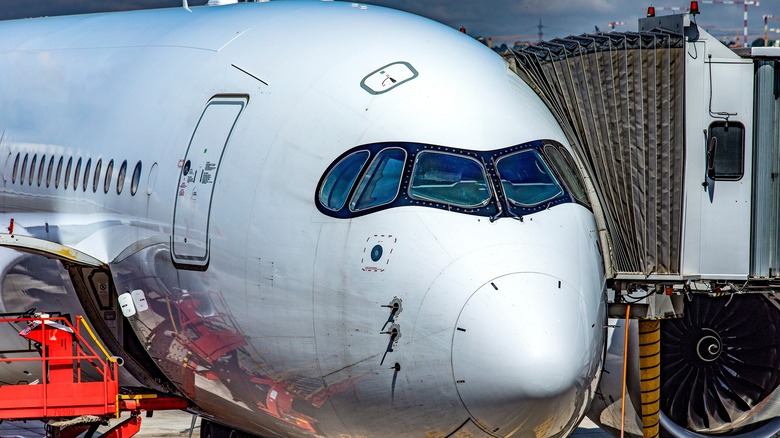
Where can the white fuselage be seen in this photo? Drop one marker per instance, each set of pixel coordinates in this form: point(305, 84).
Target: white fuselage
point(269, 315)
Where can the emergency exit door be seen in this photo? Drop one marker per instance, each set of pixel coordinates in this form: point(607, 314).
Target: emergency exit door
point(197, 178)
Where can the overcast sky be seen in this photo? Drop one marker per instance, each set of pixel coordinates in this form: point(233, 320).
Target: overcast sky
point(504, 20)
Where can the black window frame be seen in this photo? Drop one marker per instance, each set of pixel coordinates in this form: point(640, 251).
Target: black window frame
point(723, 151)
point(496, 207)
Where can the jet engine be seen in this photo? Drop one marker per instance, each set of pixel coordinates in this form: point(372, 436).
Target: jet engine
point(719, 371)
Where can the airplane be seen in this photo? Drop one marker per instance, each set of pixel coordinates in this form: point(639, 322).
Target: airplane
point(307, 218)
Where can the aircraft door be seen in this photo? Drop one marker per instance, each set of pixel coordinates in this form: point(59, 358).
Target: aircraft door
point(197, 177)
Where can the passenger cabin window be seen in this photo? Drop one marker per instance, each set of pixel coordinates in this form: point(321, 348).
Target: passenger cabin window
point(340, 180)
point(726, 151)
point(41, 169)
point(59, 173)
point(526, 179)
point(381, 181)
point(450, 179)
point(31, 176)
point(120, 179)
point(67, 173)
point(24, 170)
point(87, 168)
point(96, 178)
point(49, 171)
point(16, 168)
point(109, 172)
point(76, 175)
point(136, 179)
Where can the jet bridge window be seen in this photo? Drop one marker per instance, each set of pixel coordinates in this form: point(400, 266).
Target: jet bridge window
point(726, 151)
point(526, 179)
point(382, 180)
point(450, 179)
point(340, 180)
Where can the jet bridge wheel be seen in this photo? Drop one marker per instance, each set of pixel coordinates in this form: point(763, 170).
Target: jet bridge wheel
point(719, 361)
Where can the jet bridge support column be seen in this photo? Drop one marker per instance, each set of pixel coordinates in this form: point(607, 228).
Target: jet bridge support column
point(650, 375)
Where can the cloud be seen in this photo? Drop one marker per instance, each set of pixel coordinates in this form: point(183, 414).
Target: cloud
point(515, 19)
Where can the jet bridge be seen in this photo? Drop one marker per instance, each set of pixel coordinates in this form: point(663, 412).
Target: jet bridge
point(678, 138)
point(663, 123)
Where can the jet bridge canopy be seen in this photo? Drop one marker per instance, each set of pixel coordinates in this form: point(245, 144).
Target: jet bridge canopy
point(619, 98)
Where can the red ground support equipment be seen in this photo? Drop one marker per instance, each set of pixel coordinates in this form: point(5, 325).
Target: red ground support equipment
point(62, 394)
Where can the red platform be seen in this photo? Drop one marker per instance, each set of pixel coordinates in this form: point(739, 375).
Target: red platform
point(62, 393)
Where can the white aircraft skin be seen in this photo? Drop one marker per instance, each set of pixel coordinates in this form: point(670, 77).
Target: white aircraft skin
point(278, 322)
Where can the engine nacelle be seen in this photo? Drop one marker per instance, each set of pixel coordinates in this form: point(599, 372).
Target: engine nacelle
point(719, 370)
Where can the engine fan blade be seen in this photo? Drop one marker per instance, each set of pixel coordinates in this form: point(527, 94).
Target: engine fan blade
point(720, 360)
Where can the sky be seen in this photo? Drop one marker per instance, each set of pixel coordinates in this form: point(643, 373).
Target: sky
point(503, 20)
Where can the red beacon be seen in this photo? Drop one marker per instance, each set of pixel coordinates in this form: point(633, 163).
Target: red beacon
point(694, 8)
point(651, 11)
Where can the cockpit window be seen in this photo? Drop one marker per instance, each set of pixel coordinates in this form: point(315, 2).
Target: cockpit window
point(450, 179)
point(526, 179)
point(510, 182)
point(340, 180)
point(564, 163)
point(382, 180)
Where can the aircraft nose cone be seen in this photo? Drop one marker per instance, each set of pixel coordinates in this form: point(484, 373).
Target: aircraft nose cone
point(521, 354)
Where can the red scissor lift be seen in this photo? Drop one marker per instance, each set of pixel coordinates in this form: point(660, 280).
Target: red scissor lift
point(62, 394)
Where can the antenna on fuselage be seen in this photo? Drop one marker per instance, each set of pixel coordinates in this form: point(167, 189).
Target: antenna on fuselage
point(185, 5)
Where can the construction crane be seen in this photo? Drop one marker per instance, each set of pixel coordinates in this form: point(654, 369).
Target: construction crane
point(745, 4)
point(766, 27)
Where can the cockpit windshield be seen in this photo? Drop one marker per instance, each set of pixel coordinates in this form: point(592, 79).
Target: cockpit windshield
point(449, 179)
point(340, 179)
point(380, 183)
point(524, 179)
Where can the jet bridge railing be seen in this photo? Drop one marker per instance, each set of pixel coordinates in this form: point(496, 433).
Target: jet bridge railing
point(619, 98)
